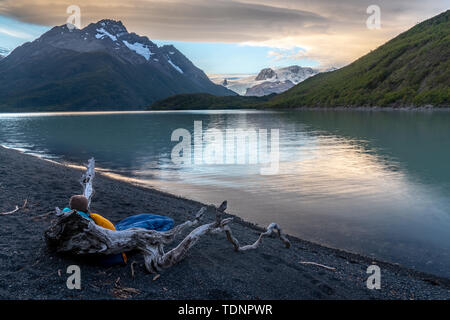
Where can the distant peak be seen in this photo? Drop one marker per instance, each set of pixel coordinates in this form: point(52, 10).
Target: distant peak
point(265, 74)
point(110, 25)
point(109, 22)
point(294, 68)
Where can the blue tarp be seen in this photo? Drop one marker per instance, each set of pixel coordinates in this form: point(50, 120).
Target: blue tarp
point(147, 221)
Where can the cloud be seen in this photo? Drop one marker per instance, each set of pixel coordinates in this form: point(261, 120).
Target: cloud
point(335, 49)
point(15, 34)
point(331, 31)
point(194, 20)
point(4, 51)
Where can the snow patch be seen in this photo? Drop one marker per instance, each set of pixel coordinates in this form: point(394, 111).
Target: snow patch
point(175, 66)
point(103, 33)
point(139, 48)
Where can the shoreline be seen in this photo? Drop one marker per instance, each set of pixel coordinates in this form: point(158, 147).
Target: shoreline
point(117, 199)
point(236, 108)
point(376, 109)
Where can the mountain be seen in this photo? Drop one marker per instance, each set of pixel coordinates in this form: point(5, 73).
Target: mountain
point(267, 81)
point(266, 74)
point(412, 69)
point(279, 80)
point(269, 87)
point(102, 66)
point(295, 74)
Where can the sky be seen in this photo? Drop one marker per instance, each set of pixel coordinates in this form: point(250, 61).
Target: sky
point(234, 36)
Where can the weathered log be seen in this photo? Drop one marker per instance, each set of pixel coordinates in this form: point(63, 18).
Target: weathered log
point(72, 233)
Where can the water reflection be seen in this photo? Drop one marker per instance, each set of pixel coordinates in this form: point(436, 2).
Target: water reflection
point(375, 183)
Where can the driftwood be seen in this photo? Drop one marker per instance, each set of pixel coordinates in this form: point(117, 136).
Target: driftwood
point(15, 210)
point(10, 212)
point(87, 181)
point(318, 265)
point(71, 233)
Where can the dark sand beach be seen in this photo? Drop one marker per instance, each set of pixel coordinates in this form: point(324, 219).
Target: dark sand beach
point(212, 270)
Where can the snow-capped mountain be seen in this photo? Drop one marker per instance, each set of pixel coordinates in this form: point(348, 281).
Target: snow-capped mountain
point(112, 36)
point(268, 81)
point(102, 65)
point(295, 74)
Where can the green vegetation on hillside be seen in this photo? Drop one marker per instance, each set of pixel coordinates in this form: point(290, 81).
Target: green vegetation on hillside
point(411, 69)
point(208, 101)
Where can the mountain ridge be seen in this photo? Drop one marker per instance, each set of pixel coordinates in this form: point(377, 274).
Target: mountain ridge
point(410, 70)
point(101, 66)
point(267, 81)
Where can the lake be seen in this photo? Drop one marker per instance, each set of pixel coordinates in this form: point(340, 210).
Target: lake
point(376, 183)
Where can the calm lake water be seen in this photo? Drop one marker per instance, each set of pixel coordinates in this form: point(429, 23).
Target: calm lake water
point(376, 183)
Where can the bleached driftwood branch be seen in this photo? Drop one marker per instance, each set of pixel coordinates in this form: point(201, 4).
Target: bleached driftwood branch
point(71, 233)
point(87, 180)
point(10, 212)
point(16, 209)
point(273, 228)
point(318, 265)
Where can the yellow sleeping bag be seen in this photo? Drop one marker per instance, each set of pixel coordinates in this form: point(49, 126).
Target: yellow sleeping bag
point(102, 222)
point(105, 223)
